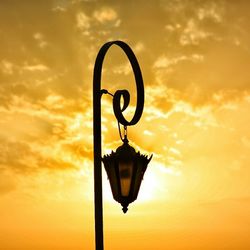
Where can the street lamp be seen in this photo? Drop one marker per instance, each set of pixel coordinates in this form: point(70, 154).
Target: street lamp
point(125, 167)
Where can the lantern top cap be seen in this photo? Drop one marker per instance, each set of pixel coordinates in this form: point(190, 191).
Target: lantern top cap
point(125, 150)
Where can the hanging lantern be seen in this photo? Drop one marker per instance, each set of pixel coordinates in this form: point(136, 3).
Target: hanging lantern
point(125, 169)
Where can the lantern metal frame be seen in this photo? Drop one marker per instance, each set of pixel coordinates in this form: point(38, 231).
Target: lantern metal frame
point(118, 110)
point(125, 153)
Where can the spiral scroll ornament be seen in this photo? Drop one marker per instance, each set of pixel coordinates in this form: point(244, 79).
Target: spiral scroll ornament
point(119, 94)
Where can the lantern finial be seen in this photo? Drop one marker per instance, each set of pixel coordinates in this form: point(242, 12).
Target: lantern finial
point(125, 209)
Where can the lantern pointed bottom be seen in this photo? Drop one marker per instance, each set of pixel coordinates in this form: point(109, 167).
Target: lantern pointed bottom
point(125, 209)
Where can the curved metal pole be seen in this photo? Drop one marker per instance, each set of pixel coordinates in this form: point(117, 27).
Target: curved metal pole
point(97, 93)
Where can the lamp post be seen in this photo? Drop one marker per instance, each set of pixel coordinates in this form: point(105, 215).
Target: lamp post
point(125, 168)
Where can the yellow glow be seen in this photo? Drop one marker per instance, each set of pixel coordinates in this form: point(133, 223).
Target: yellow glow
point(148, 190)
point(194, 57)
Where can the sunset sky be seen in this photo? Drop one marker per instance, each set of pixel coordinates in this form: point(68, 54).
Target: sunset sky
point(195, 60)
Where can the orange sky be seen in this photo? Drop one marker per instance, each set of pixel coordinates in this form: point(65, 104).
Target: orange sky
point(194, 56)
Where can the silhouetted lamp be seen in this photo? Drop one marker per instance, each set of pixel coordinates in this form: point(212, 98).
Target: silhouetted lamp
point(125, 169)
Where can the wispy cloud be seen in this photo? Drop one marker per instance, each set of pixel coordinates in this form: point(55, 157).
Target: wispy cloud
point(7, 67)
point(82, 21)
point(37, 67)
point(105, 15)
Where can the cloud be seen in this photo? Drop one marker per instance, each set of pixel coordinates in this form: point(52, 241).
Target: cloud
point(211, 10)
point(105, 14)
point(192, 35)
point(82, 21)
point(59, 9)
point(37, 67)
point(39, 37)
point(6, 67)
point(123, 69)
point(63, 5)
point(9, 68)
point(164, 62)
point(46, 82)
point(49, 135)
point(139, 47)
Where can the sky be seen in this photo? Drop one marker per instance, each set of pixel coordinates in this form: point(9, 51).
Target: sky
point(194, 56)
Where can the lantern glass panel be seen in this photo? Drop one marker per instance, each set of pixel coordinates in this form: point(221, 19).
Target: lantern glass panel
point(125, 172)
point(138, 177)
